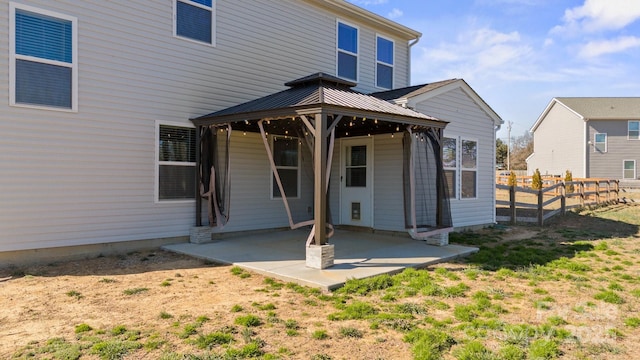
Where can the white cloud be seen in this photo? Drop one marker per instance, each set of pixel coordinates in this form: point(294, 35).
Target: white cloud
point(478, 53)
point(601, 47)
point(598, 15)
point(395, 13)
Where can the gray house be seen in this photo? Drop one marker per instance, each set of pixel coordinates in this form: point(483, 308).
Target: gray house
point(596, 137)
point(115, 108)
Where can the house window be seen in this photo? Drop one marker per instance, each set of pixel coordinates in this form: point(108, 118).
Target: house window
point(384, 63)
point(449, 161)
point(600, 143)
point(42, 58)
point(629, 169)
point(176, 164)
point(347, 52)
point(193, 20)
point(286, 158)
point(633, 130)
point(469, 169)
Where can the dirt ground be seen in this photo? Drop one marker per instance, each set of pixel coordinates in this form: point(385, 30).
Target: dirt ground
point(38, 303)
point(44, 302)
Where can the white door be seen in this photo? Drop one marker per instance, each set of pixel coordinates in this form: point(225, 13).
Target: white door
point(356, 182)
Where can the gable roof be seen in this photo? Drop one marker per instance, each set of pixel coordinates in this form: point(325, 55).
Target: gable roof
point(313, 94)
point(411, 91)
point(417, 93)
point(596, 108)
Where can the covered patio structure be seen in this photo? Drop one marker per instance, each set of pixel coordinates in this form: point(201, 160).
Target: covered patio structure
point(317, 110)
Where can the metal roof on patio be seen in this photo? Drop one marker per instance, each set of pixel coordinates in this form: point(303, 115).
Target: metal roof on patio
point(318, 93)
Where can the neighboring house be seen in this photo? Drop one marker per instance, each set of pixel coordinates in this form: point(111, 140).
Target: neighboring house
point(97, 146)
point(469, 144)
point(596, 137)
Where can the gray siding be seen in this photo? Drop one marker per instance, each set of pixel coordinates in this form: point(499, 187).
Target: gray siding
point(251, 204)
point(88, 177)
point(609, 164)
point(388, 198)
point(468, 121)
point(558, 144)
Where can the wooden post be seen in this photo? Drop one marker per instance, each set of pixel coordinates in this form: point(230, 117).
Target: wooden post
point(597, 192)
point(581, 187)
point(563, 199)
point(512, 205)
point(320, 174)
point(540, 209)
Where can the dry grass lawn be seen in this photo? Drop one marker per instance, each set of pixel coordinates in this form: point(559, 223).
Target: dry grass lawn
point(570, 290)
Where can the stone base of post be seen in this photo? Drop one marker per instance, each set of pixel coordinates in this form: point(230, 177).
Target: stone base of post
point(320, 256)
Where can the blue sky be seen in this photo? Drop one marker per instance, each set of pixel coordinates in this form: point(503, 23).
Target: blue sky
point(519, 54)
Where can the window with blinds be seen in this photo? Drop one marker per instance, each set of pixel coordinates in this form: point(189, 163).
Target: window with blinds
point(43, 59)
point(176, 162)
point(194, 20)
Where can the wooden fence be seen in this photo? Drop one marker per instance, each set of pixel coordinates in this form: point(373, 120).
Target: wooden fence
point(556, 197)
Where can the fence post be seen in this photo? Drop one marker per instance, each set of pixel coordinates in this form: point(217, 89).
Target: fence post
point(540, 209)
point(563, 199)
point(581, 187)
point(597, 192)
point(512, 200)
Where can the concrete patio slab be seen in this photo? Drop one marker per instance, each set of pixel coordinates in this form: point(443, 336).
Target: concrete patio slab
point(357, 255)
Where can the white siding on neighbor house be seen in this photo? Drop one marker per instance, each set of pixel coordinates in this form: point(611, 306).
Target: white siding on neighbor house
point(558, 144)
point(469, 122)
point(88, 177)
point(619, 148)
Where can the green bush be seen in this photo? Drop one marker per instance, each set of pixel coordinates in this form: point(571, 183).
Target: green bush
point(568, 177)
point(536, 180)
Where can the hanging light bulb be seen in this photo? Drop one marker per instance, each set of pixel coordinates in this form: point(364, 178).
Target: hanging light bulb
point(397, 128)
point(375, 121)
point(244, 133)
point(392, 135)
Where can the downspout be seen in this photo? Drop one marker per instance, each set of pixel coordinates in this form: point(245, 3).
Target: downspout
point(415, 41)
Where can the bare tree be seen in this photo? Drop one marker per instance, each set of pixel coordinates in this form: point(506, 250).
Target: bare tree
point(522, 147)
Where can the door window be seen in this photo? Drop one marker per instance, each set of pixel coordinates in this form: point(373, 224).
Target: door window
point(356, 166)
